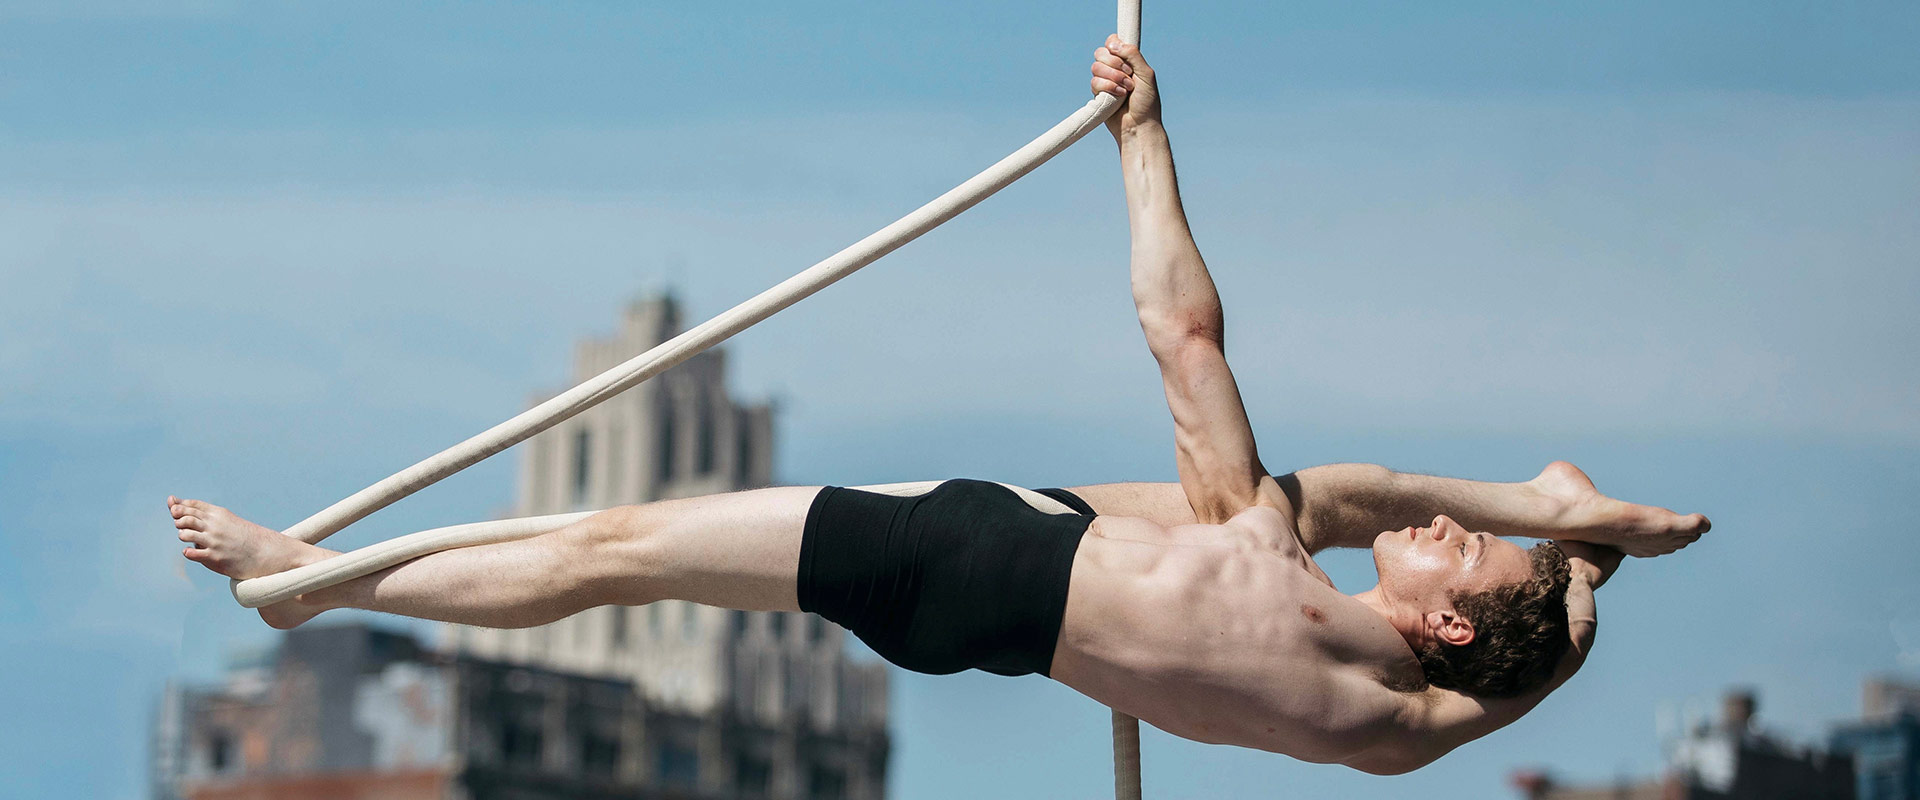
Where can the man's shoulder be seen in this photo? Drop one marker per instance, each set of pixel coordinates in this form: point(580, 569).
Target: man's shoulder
point(1272, 528)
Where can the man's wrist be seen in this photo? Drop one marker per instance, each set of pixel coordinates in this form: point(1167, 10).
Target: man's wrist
point(1131, 130)
point(1592, 562)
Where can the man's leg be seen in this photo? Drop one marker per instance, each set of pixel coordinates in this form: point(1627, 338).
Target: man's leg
point(736, 550)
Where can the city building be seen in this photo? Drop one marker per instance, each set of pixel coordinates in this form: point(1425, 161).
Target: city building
point(1729, 759)
point(350, 712)
point(671, 700)
point(1885, 742)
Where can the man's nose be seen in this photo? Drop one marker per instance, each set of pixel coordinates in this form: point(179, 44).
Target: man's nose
point(1443, 526)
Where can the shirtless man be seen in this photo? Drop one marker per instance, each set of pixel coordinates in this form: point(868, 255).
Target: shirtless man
point(1196, 608)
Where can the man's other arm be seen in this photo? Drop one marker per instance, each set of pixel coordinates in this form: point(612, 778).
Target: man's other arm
point(1347, 505)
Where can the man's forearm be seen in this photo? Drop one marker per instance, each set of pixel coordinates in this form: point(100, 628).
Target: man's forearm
point(1172, 290)
point(1347, 505)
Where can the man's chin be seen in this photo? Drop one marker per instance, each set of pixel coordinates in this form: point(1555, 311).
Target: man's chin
point(1382, 539)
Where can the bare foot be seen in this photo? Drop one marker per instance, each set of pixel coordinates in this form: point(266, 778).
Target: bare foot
point(1636, 530)
point(227, 544)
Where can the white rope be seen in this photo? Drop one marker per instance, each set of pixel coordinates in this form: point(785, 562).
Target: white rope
point(274, 588)
point(652, 362)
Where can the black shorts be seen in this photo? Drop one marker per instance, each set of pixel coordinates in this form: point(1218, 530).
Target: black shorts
point(967, 576)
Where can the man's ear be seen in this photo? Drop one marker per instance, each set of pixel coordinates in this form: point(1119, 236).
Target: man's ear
point(1449, 627)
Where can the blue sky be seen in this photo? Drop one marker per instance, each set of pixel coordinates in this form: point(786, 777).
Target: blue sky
point(268, 254)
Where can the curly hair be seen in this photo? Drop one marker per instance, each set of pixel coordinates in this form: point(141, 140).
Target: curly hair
point(1520, 633)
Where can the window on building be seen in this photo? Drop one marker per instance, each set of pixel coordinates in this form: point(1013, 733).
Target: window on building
point(796, 684)
point(220, 752)
point(779, 625)
point(616, 467)
point(705, 435)
point(678, 766)
point(599, 753)
point(752, 775)
point(619, 615)
point(826, 783)
point(669, 432)
point(653, 619)
point(520, 741)
point(582, 462)
point(816, 629)
point(742, 449)
point(737, 625)
point(690, 621)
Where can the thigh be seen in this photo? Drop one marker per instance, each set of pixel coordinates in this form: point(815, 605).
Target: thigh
point(739, 550)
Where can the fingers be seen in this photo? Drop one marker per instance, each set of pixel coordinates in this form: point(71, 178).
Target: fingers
point(1106, 78)
point(1111, 74)
point(1129, 54)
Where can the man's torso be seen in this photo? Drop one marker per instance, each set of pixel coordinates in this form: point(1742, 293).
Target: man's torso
point(1229, 634)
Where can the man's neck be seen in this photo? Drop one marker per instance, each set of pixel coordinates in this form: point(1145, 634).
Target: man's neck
point(1373, 598)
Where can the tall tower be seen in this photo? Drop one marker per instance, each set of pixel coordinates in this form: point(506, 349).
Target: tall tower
point(681, 435)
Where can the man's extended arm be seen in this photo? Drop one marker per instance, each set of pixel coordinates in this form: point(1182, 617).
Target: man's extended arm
point(1346, 505)
point(1178, 306)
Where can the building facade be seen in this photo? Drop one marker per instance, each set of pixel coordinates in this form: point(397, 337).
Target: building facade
point(1728, 759)
point(353, 713)
point(667, 700)
point(1885, 742)
point(679, 435)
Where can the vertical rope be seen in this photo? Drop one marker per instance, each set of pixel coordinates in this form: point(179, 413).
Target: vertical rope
point(1126, 757)
point(1126, 729)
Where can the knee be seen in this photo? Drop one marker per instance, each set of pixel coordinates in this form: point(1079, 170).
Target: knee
point(612, 533)
point(619, 547)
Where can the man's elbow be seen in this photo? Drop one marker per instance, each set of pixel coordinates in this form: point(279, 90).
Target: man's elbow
point(1175, 331)
point(1191, 354)
point(1398, 761)
point(1385, 768)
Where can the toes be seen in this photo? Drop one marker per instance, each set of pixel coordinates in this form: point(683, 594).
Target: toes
point(190, 522)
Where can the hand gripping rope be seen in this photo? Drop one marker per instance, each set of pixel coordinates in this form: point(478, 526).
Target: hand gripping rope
point(267, 590)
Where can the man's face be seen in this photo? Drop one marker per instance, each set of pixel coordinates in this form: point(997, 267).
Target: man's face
point(1425, 567)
